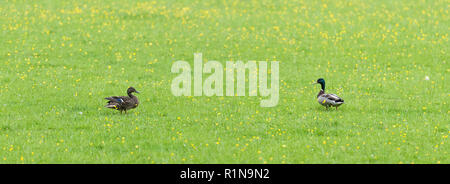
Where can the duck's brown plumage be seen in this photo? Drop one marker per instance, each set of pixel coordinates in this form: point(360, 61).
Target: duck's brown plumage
point(123, 103)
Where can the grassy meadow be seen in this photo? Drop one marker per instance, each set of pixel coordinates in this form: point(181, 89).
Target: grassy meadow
point(387, 59)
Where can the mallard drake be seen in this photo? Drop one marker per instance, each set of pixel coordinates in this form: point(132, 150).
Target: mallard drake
point(328, 100)
point(123, 103)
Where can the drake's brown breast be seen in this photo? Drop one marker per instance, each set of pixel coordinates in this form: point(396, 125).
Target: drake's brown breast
point(320, 93)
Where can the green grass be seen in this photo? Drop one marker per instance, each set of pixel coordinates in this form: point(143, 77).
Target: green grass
point(61, 58)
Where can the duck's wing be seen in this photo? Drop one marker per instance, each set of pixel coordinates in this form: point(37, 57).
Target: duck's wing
point(117, 99)
point(119, 102)
point(334, 98)
point(331, 99)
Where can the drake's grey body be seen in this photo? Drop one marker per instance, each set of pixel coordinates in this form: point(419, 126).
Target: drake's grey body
point(328, 100)
point(123, 103)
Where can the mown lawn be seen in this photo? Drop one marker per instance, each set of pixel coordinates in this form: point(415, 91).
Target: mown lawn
point(387, 59)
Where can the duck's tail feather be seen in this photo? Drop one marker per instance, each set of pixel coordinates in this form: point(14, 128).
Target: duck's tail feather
point(112, 105)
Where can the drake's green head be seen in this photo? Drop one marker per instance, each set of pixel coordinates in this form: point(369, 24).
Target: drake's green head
point(321, 81)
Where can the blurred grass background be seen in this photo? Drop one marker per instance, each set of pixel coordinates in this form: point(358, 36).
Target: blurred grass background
point(60, 58)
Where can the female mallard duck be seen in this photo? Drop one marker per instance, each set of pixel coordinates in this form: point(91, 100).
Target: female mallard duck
point(123, 103)
point(328, 100)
